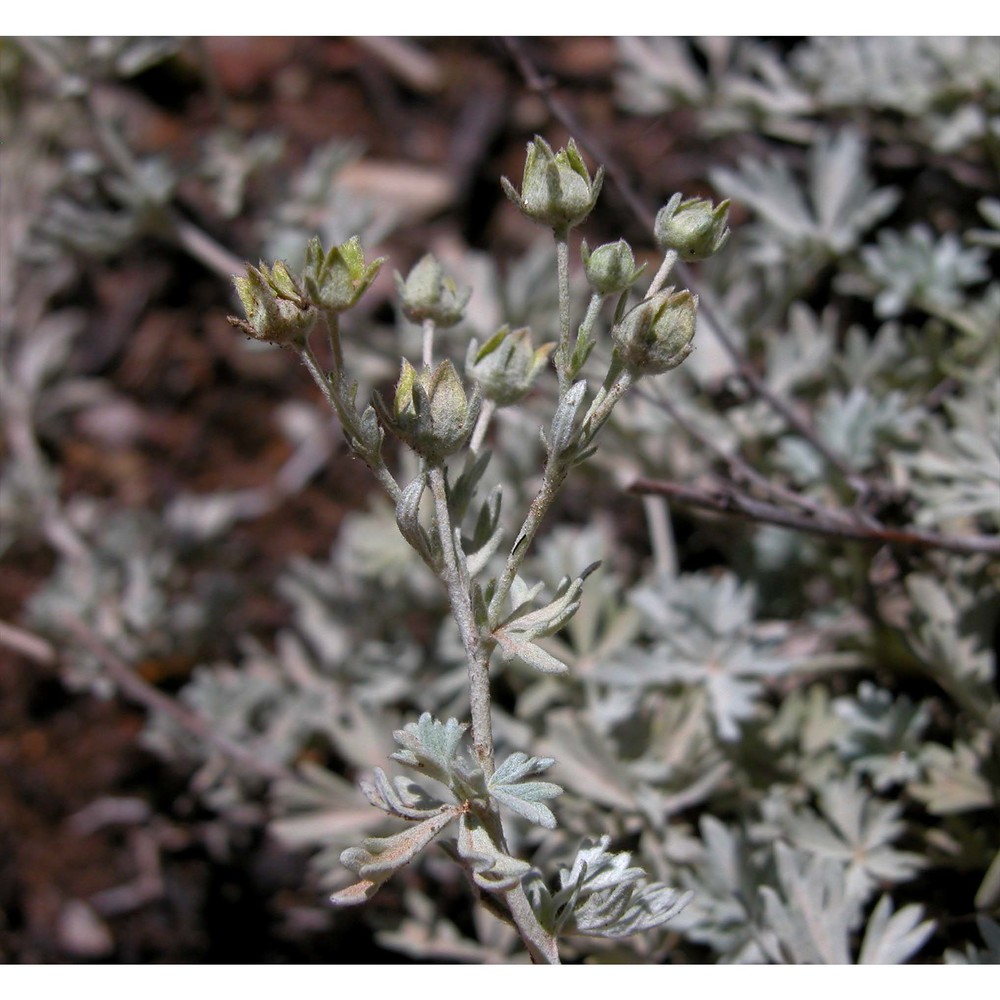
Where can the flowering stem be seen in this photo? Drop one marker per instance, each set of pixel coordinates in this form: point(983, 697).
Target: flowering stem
point(428, 354)
point(331, 324)
point(347, 419)
point(477, 654)
point(562, 352)
point(540, 944)
point(486, 412)
point(555, 473)
point(669, 259)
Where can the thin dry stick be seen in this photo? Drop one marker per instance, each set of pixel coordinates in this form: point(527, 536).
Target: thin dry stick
point(727, 501)
point(138, 690)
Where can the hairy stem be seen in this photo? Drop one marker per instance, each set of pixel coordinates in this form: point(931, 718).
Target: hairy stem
point(347, 420)
point(562, 351)
point(331, 325)
point(669, 259)
point(428, 352)
point(552, 479)
point(486, 411)
point(477, 654)
point(540, 944)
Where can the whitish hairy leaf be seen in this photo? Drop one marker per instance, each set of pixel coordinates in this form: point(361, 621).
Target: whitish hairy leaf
point(508, 787)
point(858, 830)
point(434, 748)
point(400, 797)
point(603, 895)
point(891, 939)
point(810, 919)
point(379, 857)
point(492, 869)
point(990, 955)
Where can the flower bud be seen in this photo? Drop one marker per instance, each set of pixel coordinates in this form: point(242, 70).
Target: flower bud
point(694, 228)
point(610, 268)
point(428, 294)
point(556, 189)
point(275, 307)
point(506, 365)
point(430, 412)
point(336, 279)
point(656, 335)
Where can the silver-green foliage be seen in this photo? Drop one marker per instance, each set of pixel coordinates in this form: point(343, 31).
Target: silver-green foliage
point(777, 757)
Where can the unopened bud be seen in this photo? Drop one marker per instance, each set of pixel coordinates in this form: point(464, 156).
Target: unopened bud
point(610, 268)
point(694, 228)
point(431, 411)
point(506, 365)
point(656, 335)
point(275, 307)
point(556, 189)
point(427, 293)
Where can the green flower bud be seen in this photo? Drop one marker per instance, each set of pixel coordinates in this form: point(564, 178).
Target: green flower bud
point(610, 268)
point(275, 307)
point(428, 294)
point(431, 411)
point(556, 189)
point(506, 365)
point(336, 279)
point(656, 335)
point(694, 228)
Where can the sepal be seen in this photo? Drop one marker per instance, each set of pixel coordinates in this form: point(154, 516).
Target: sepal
point(431, 411)
point(610, 268)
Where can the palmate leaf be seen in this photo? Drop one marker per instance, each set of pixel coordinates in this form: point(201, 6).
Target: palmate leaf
point(603, 895)
point(859, 831)
point(839, 202)
point(705, 635)
point(810, 920)
point(527, 798)
point(915, 269)
point(435, 748)
point(724, 881)
point(882, 737)
point(990, 955)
